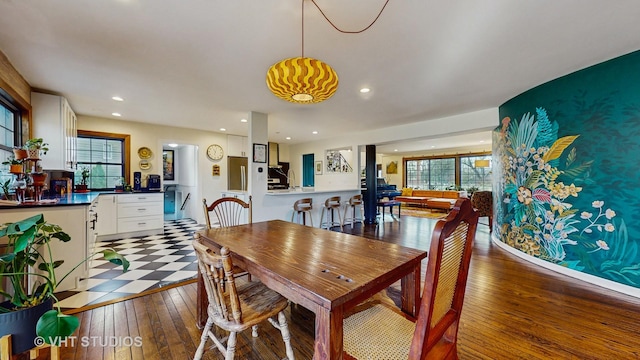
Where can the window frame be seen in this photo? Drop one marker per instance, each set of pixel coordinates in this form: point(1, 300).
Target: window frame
point(457, 166)
point(126, 147)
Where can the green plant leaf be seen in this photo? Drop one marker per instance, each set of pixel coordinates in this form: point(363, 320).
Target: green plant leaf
point(61, 235)
point(46, 266)
point(6, 258)
point(54, 326)
point(114, 257)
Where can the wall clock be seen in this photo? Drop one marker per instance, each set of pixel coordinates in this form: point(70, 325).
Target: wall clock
point(215, 152)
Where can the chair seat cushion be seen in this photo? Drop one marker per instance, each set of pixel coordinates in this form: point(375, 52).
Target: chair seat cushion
point(392, 333)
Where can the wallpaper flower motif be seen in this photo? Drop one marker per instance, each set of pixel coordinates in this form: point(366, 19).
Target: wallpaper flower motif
point(540, 178)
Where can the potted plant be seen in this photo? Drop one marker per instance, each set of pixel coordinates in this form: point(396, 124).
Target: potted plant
point(20, 153)
point(27, 241)
point(84, 174)
point(5, 189)
point(15, 165)
point(35, 147)
point(120, 185)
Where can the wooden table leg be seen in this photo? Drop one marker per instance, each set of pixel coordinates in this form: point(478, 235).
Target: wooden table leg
point(201, 303)
point(410, 287)
point(329, 341)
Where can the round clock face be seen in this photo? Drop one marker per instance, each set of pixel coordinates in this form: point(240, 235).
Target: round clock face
point(215, 152)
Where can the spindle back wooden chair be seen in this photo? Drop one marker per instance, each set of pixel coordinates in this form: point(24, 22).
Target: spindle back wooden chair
point(230, 211)
point(240, 306)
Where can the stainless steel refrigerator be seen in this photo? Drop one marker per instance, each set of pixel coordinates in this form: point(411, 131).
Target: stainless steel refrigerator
point(237, 173)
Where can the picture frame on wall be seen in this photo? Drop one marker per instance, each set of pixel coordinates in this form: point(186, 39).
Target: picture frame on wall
point(168, 172)
point(318, 166)
point(259, 153)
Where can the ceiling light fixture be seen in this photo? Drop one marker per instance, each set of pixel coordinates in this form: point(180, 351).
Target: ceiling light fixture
point(173, 145)
point(116, 114)
point(117, 98)
point(365, 90)
point(306, 80)
point(243, 120)
point(301, 79)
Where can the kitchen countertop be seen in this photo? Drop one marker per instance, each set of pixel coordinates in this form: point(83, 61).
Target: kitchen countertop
point(71, 199)
point(298, 191)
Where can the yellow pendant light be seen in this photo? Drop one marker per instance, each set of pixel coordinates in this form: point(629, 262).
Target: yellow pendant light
point(301, 79)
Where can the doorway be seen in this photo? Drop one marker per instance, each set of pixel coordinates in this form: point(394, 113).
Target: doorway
point(308, 177)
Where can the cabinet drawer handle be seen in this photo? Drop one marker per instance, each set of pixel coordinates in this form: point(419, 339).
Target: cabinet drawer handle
point(142, 209)
point(142, 223)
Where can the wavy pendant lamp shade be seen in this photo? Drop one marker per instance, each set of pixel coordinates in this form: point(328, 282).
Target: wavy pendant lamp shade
point(302, 80)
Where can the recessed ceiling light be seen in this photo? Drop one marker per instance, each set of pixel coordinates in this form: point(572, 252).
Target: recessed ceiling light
point(433, 146)
point(223, 129)
point(365, 90)
point(395, 149)
point(173, 145)
point(314, 132)
point(243, 120)
point(116, 114)
point(288, 138)
point(481, 141)
point(117, 98)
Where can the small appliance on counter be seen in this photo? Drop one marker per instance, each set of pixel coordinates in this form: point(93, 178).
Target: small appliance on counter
point(153, 182)
point(137, 181)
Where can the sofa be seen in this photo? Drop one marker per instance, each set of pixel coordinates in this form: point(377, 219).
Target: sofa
point(433, 199)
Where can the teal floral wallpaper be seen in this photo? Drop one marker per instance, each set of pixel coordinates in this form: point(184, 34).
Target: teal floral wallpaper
point(566, 171)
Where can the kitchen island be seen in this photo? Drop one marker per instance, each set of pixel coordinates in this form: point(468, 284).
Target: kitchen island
point(280, 202)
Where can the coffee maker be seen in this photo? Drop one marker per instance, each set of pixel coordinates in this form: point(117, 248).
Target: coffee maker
point(153, 182)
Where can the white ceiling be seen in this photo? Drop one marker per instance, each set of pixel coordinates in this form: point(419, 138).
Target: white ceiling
point(202, 63)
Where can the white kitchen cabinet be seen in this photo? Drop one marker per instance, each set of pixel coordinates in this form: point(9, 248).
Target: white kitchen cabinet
point(237, 145)
point(107, 219)
point(139, 214)
point(73, 221)
point(55, 122)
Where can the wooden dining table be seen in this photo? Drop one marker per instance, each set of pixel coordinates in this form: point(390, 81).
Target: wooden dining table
point(324, 271)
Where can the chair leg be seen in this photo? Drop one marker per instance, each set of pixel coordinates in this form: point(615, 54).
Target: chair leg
point(284, 329)
point(203, 339)
point(254, 331)
point(231, 346)
point(322, 220)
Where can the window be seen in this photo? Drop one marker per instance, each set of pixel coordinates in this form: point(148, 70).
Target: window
point(475, 172)
point(10, 131)
point(452, 172)
point(437, 174)
point(105, 156)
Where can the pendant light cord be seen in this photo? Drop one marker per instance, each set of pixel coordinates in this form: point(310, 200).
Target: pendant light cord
point(334, 26)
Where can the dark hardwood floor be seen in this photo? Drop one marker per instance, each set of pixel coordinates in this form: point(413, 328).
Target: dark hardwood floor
point(513, 310)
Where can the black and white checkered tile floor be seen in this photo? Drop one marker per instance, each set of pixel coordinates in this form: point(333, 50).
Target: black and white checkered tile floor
point(155, 261)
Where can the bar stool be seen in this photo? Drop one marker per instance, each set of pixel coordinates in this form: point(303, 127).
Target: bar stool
point(331, 205)
point(355, 202)
point(301, 208)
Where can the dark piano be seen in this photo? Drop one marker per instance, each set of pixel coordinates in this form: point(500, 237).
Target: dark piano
point(382, 190)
